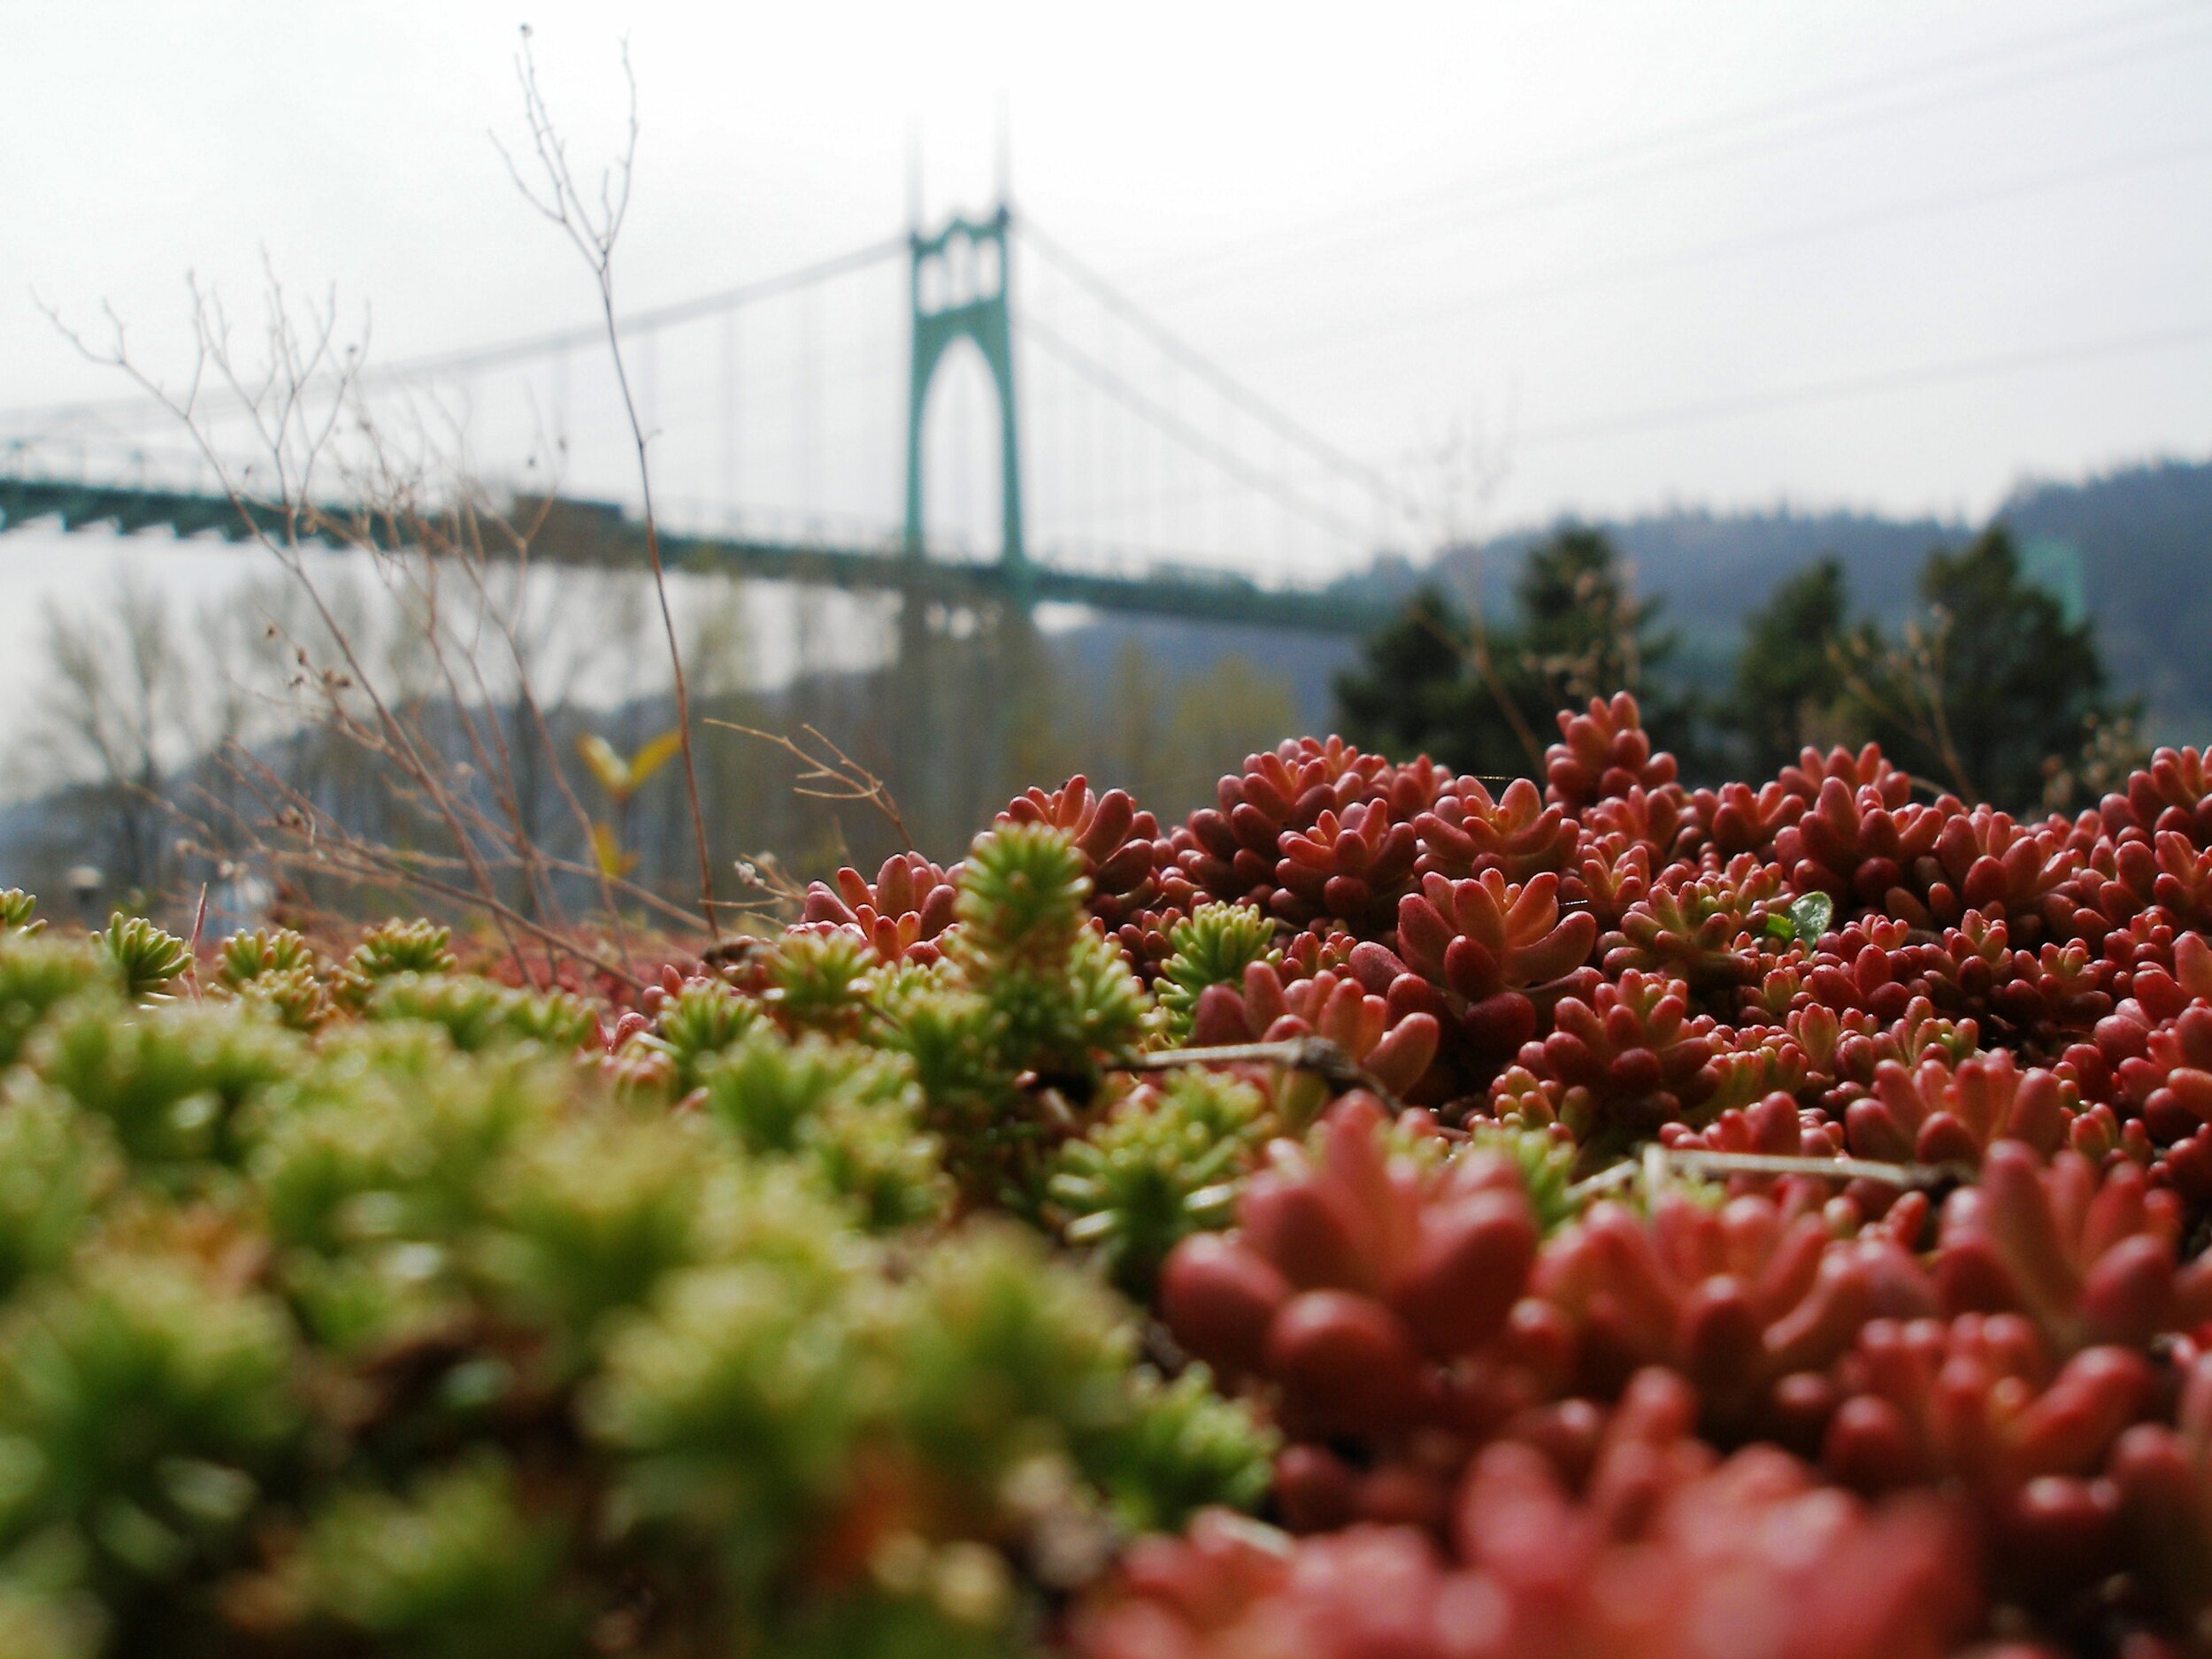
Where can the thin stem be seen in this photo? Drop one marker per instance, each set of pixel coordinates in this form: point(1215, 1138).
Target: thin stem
point(1317, 1054)
point(563, 204)
point(1696, 1161)
point(834, 777)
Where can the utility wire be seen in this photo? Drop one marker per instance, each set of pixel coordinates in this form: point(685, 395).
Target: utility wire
point(1112, 384)
point(1542, 186)
point(1735, 247)
point(1958, 369)
point(1189, 358)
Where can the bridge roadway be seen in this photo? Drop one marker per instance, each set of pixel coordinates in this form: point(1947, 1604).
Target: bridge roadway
point(573, 532)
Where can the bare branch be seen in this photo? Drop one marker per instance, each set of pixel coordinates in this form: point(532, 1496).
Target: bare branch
point(1317, 1054)
point(833, 776)
point(1695, 1161)
point(595, 239)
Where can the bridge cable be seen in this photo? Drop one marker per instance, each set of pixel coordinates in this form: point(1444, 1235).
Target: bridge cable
point(1189, 358)
point(528, 346)
point(1106, 381)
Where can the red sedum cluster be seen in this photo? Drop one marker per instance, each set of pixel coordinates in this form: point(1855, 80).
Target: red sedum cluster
point(1954, 1390)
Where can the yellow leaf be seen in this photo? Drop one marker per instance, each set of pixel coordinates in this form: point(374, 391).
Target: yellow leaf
point(655, 754)
point(605, 764)
point(608, 852)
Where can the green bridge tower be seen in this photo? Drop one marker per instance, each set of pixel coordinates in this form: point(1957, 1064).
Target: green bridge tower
point(959, 283)
point(960, 280)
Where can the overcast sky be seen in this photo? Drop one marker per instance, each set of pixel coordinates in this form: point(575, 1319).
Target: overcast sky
point(1721, 251)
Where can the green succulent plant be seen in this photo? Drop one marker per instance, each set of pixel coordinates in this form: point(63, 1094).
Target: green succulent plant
point(1211, 946)
point(147, 958)
point(402, 947)
point(1164, 1164)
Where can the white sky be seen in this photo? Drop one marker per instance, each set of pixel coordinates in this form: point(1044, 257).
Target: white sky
point(1375, 216)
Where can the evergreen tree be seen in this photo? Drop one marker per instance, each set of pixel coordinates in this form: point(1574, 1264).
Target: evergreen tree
point(1584, 632)
point(1417, 691)
point(1998, 689)
point(1405, 696)
point(1789, 683)
point(1486, 704)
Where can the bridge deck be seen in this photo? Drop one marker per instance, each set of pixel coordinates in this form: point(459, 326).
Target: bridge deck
point(587, 532)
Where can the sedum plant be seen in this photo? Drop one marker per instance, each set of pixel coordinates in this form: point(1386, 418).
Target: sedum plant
point(146, 957)
point(1376, 1216)
point(404, 1319)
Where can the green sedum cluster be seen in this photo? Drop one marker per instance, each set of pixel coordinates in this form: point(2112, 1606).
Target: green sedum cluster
point(351, 1304)
point(1163, 1165)
point(1211, 946)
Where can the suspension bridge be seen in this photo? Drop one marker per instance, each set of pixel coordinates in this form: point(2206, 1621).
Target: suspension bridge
point(1070, 451)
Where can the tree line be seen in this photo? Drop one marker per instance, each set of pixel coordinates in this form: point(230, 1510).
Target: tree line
point(171, 745)
point(1990, 689)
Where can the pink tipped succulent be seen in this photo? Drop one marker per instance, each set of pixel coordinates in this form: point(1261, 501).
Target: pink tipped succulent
point(1976, 1403)
point(1656, 818)
point(1119, 844)
point(1946, 1112)
point(1485, 958)
point(1864, 966)
point(1230, 851)
point(1866, 769)
point(1629, 1059)
point(1603, 752)
point(2089, 1261)
point(1358, 1281)
point(1325, 1003)
point(1611, 872)
point(1413, 786)
point(1773, 1125)
point(1666, 1552)
point(2174, 793)
point(900, 916)
point(1352, 866)
point(1467, 832)
point(1855, 846)
point(2161, 1478)
point(1735, 818)
point(1737, 1301)
point(1984, 860)
point(1703, 931)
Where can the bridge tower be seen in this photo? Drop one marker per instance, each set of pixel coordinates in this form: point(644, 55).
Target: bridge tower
point(960, 282)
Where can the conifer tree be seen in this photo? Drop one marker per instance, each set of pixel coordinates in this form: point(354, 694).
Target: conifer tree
point(1994, 685)
point(1789, 681)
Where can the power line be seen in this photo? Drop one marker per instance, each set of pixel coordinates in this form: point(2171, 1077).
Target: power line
point(1986, 366)
point(1106, 381)
point(1190, 357)
point(1539, 186)
point(1732, 247)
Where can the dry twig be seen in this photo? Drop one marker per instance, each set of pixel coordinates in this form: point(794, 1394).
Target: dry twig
point(832, 775)
point(594, 234)
point(1325, 1059)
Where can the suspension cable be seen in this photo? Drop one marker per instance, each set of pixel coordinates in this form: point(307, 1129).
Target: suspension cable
point(1106, 381)
point(1191, 358)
